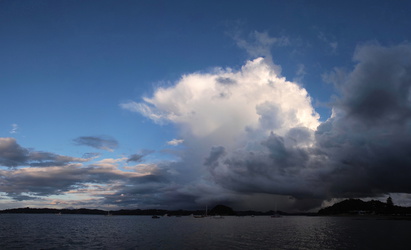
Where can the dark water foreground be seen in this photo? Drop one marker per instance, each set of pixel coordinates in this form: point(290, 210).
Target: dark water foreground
point(48, 231)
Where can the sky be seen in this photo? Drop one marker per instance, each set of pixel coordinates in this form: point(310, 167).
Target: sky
point(185, 104)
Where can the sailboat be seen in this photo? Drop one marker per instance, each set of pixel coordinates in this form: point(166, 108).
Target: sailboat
point(108, 211)
point(276, 214)
point(201, 216)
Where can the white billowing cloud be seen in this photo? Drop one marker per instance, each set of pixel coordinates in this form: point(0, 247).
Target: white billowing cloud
point(175, 142)
point(227, 103)
point(227, 116)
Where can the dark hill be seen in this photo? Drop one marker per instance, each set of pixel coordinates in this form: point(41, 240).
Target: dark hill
point(357, 206)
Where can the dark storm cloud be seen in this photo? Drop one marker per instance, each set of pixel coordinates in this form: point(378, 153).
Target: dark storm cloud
point(216, 152)
point(276, 168)
point(366, 162)
point(165, 200)
point(153, 195)
point(368, 141)
point(150, 191)
point(378, 90)
point(13, 155)
point(99, 142)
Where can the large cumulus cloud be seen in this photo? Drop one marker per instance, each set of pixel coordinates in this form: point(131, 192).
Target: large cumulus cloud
point(245, 131)
point(252, 132)
point(226, 103)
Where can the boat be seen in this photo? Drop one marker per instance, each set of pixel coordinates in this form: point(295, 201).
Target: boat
point(276, 214)
point(201, 216)
point(155, 217)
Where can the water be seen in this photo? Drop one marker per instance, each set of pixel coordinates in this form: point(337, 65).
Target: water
point(39, 231)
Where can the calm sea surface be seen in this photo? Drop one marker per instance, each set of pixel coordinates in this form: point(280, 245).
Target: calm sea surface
point(39, 231)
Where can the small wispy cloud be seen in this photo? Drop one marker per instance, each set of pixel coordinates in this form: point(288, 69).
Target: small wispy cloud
point(175, 142)
point(99, 142)
point(300, 73)
point(14, 128)
point(138, 157)
point(333, 45)
point(259, 44)
point(90, 155)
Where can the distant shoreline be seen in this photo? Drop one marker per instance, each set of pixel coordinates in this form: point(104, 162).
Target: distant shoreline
point(161, 212)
